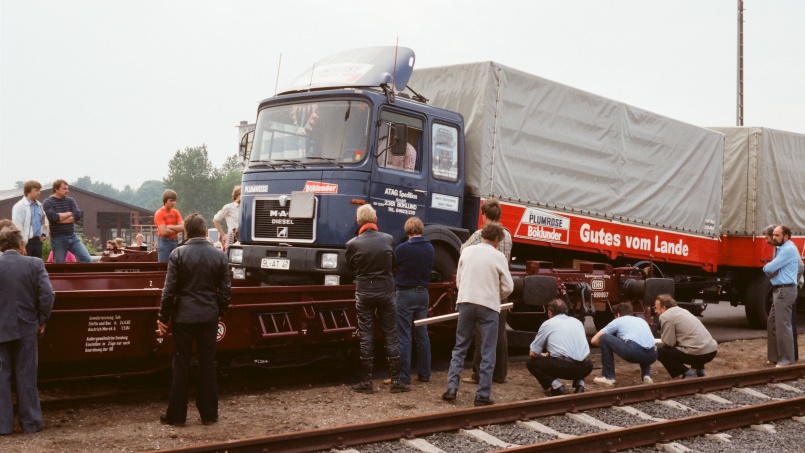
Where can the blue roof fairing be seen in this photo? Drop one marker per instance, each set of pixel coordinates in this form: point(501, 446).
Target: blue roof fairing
point(364, 67)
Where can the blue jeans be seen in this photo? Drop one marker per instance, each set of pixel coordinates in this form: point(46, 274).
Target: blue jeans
point(487, 319)
point(412, 304)
point(628, 351)
point(34, 248)
point(62, 244)
point(165, 248)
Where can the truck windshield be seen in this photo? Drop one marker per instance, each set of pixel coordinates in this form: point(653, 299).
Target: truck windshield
point(312, 133)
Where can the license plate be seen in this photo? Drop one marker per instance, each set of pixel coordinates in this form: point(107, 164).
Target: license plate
point(275, 263)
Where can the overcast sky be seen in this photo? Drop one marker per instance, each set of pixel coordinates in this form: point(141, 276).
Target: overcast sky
point(112, 89)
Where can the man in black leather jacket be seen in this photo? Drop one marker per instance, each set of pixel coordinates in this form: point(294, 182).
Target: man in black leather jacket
point(371, 256)
point(195, 296)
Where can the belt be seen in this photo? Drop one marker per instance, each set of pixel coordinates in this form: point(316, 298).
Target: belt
point(409, 288)
point(568, 359)
point(787, 285)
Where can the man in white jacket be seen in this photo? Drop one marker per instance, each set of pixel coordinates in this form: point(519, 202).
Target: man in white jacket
point(483, 279)
point(29, 217)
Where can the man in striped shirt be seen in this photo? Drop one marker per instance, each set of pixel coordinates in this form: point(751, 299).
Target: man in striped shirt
point(62, 212)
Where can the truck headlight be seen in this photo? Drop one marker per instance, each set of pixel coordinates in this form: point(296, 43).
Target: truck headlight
point(238, 273)
point(236, 256)
point(329, 260)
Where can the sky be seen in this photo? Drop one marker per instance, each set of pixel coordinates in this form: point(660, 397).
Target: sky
point(112, 89)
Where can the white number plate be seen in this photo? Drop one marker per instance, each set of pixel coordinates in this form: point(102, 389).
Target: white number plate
point(275, 263)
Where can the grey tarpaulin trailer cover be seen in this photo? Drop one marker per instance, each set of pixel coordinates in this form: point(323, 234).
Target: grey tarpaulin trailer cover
point(547, 144)
point(764, 180)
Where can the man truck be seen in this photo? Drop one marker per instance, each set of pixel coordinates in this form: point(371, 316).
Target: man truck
point(582, 178)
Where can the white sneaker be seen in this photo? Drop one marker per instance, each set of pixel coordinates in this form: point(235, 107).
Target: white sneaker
point(604, 381)
point(648, 380)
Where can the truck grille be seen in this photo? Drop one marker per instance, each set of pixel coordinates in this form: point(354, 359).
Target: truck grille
point(272, 223)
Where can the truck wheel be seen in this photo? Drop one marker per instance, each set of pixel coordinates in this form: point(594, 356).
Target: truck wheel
point(601, 319)
point(757, 300)
point(444, 265)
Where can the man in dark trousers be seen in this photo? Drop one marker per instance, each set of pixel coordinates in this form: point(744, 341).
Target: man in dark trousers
point(491, 212)
point(560, 351)
point(195, 296)
point(24, 310)
point(371, 256)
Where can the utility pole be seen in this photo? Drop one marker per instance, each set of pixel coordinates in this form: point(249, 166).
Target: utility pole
point(739, 120)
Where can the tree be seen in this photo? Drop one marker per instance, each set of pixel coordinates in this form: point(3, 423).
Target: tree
point(149, 195)
point(191, 176)
point(100, 188)
point(228, 176)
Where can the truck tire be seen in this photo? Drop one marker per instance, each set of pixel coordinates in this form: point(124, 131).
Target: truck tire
point(757, 300)
point(444, 265)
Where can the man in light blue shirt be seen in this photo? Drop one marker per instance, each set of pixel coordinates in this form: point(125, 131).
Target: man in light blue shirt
point(560, 351)
point(628, 336)
point(29, 217)
point(782, 272)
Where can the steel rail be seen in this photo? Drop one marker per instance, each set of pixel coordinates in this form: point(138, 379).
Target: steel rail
point(408, 427)
point(664, 432)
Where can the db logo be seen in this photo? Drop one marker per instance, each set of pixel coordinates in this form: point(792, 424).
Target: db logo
point(221, 331)
point(597, 285)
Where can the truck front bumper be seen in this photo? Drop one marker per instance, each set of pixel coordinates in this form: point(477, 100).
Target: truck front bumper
point(275, 265)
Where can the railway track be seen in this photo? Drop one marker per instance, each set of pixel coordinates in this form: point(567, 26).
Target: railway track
point(609, 420)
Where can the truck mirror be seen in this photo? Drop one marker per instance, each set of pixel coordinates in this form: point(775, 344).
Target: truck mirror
point(539, 290)
point(245, 150)
point(399, 139)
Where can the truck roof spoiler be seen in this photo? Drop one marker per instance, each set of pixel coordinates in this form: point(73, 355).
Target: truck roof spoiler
point(365, 67)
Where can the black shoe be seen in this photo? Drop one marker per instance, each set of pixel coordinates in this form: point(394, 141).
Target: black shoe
point(557, 392)
point(166, 421)
point(483, 401)
point(700, 372)
point(399, 387)
point(449, 395)
point(209, 422)
point(364, 387)
point(578, 389)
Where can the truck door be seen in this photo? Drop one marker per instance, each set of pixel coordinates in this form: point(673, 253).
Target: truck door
point(447, 180)
point(399, 187)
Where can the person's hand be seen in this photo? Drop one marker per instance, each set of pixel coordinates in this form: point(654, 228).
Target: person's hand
point(162, 328)
point(223, 240)
point(41, 330)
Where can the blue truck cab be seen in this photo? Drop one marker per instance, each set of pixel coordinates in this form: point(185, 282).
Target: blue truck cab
point(342, 135)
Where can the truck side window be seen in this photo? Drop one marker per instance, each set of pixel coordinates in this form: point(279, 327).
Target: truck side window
point(410, 162)
point(445, 152)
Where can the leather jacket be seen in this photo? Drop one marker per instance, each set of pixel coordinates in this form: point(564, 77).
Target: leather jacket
point(197, 286)
point(371, 256)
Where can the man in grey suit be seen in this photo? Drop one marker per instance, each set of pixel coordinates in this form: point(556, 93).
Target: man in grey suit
point(24, 310)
